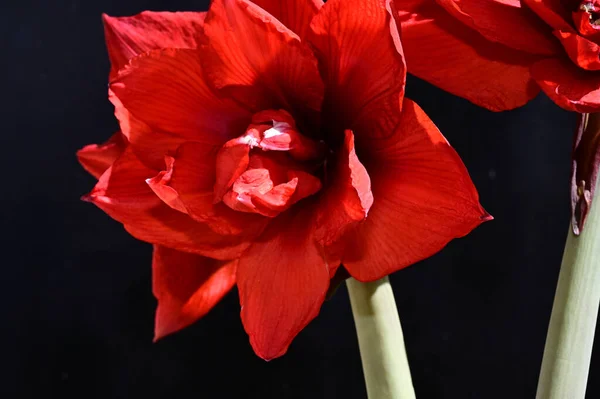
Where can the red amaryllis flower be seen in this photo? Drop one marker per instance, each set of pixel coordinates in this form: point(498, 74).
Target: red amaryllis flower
point(265, 145)
point(498, 53)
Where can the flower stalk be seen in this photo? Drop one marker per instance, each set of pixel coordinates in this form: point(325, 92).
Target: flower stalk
point(570, 338)
point(380, 338)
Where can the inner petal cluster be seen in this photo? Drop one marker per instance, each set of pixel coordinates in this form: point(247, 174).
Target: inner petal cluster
point(268, 168)
point(587, 19)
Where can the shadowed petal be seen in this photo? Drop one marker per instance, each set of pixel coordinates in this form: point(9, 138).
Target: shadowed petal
point(187, 286)
point(345, 203)
point(253, 57)
point(556, 13)
point(455, 58)
point(360, 57)
point(567, 85)
point(582, 51)
point(506, 23)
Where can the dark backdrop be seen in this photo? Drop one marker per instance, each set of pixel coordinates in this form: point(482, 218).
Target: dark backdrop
point(77, 310)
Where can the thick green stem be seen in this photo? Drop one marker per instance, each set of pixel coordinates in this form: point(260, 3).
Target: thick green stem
point(385, 365)
point(570, 337)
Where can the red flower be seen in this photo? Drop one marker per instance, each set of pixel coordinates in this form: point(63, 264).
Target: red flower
point(267, 145)
point(493, 52)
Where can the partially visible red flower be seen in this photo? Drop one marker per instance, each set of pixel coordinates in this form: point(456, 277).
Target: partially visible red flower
point(498, 53)
point(269, 145)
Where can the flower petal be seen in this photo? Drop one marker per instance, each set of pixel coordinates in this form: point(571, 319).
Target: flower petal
point(505, 23)
point(295, 15)
point(165, 89)
point(187, 286)
point(345, 203)
point(282, 280)
point(554, 12)
point(582, 51)
point(127, 37)
point(450, 55)
point(149, 146)
point(570, 87)
point(123, 194)
point(423, 199)
point(257, 60)
point(360, 56)
point(187, 186)
point(96, 158)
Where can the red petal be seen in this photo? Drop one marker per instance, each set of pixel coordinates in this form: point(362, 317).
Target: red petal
point(347, 200)
point(96, 158)
point(448, 54)
point(123, 194)
point(567, 85)
point(554, 12)
point(360, 55)
point(282, 280)
point(165, 89)
point(148, 145)
point(582, 52)
point(127, 37)
point(187, 186)
point(584, 26)
point(505, 23)
point(423, 199)
point(232, 160)
point(160, 185)
point(295, 15)
point(187, 286)
point(259, 61)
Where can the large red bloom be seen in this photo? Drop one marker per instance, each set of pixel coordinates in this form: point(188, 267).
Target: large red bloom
point(266, 144)
point(499, 53)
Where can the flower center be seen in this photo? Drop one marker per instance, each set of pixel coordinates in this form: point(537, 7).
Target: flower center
point(587, 16)
point(268, 168)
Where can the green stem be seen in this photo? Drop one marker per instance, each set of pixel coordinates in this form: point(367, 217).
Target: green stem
point(570, 337)
point(385, 365)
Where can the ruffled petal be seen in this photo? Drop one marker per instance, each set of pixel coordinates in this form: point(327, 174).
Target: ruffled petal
point(282, 281)
point(149, 146)
point(505, 22)
point(187, 286)
point(254, 58)
point(582, 52)
point(96, 158)
point(360, 56)
point(570, 87)
point(556, 13)
point(165, 89)
point(187, 186)
point(295, 15)
point(423, 199)
point(450, 55)
point(127, 37)
point(122, 192)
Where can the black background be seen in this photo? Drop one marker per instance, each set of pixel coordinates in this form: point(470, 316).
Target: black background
point(77, 309)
